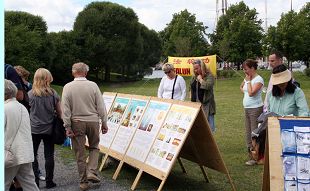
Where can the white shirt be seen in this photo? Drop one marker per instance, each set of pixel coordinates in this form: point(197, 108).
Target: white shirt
point(166, 86)
point(256, 100)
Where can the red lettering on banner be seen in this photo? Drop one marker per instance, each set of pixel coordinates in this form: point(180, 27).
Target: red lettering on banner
point(206, 60)
point(183, 71)
point(190, 61)
point(186, 71)
point(176, 61)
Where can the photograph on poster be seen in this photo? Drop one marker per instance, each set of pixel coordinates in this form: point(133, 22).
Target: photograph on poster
point(147, 131)
point(128, 126)
point(118, 110)
point(169, 156)
point(176, 142)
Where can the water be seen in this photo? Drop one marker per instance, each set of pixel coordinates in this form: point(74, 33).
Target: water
point(155, 74)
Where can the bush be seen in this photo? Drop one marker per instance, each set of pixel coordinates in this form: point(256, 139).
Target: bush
point(307, 72)
point(225, 73)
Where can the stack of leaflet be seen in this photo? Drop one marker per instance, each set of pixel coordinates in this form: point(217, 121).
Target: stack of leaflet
point(296, 155)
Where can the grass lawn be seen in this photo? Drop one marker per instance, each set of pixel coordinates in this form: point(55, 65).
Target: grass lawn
point(229, 136)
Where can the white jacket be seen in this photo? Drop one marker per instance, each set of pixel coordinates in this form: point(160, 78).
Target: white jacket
point(22, 147)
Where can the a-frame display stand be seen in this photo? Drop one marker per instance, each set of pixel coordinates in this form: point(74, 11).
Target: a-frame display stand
point(195, 143)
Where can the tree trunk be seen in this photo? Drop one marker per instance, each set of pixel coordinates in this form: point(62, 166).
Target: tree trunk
point(107, 75)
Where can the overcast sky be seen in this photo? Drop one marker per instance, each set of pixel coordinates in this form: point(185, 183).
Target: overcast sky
point(155, 14)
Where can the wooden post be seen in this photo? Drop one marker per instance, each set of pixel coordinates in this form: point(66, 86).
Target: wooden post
point(181, 164)
point(119, 167)
point(135, 183)
point(103, 162)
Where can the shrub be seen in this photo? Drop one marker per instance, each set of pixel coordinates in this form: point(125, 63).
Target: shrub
point(307, 72)
point(225, 73)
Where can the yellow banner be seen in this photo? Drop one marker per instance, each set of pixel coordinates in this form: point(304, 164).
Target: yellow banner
point(183, 65)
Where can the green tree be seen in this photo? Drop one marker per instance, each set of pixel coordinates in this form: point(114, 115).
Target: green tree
point(184, 36)
point(238, 34)
point(25, 40)
point(63, 52)
point(303, 23)
point(108, 36)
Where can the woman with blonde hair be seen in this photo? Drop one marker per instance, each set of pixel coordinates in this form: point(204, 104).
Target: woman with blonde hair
point(44, 101)
point(201, 86)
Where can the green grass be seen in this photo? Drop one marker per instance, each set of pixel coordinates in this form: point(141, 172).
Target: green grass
point(229, 137)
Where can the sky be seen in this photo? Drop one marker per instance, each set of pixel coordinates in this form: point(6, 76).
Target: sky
point(155, 14)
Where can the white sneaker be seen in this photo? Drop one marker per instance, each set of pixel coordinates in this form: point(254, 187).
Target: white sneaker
point(41, 177)
point(251, 162)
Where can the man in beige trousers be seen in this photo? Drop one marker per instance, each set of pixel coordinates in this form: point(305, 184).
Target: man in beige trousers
point(83, 106)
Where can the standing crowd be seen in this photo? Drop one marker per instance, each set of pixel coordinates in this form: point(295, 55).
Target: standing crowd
point(30, 111)
point(29, 119)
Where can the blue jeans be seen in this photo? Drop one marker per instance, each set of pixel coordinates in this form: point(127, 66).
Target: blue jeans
point(211, 122)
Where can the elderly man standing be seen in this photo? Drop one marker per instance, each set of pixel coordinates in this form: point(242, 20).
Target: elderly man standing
point(83, 106)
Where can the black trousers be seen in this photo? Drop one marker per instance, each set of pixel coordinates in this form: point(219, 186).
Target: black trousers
point(48, 155)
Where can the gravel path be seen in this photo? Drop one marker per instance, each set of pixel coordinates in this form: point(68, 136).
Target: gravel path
point(67, 179)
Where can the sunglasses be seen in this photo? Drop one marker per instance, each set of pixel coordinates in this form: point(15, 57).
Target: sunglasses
point(168, 72)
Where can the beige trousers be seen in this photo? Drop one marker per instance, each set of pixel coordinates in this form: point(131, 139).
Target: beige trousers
point(91, 130)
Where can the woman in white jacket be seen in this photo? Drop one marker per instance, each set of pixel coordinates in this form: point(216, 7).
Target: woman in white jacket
point(172, 86)
point(18, 138)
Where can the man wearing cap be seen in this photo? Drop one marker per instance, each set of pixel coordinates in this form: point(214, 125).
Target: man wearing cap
point(285, 98)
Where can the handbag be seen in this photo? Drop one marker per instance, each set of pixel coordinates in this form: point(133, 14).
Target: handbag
point(59, 131)
point(10, 159)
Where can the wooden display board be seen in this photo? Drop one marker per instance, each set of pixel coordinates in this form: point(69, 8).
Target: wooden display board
point(273, 176)
point(167, 130)
point(115, 117)
point(128, 126)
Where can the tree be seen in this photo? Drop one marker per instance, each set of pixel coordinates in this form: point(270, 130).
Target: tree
point(303, 23)
point(184, 36)
point(238, 34)
point(108, 36)
point(25, 40)
point(63, 52)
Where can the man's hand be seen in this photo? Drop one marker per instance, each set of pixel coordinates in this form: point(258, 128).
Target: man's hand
point(104, 128)
point(69, 133)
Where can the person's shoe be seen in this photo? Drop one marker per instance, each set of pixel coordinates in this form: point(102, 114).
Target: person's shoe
point(41, 177)
point(93, 178)
point(84, 186)
point(50, 185)
point(251, 162)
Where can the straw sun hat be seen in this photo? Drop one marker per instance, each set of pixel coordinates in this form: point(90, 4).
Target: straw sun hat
point(281, 77)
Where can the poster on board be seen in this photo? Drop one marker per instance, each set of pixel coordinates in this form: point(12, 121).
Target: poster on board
point(147, 130)
point(129, 124)
point(108, 101)
point(171, 137)
point(114, 119)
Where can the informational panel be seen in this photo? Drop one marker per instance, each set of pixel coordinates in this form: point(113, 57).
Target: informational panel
point(171, 137)
point(108, 98)
point(148, 130)
point(274, 172)
point(115, 117)
point(129, 124)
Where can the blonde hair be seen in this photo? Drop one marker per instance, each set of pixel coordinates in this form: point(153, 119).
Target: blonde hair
point(167, 67)
point(22, 72)
point(204, 69)
point(41, 83)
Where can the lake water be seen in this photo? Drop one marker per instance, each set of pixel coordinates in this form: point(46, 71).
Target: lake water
point(155, 74)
